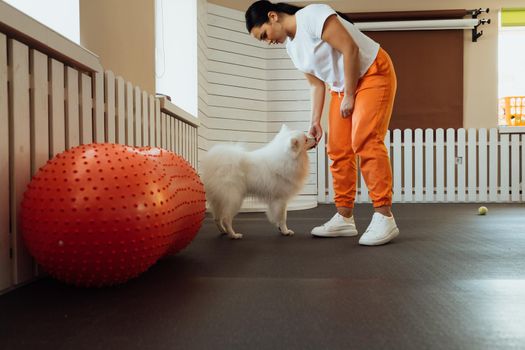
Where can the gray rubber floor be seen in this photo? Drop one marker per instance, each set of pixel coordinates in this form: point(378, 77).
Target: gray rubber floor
point(451, 280)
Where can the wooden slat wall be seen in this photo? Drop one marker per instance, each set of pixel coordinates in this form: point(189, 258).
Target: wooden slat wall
point(178, 136)
point(39, 111)
point(47, 107)
point(157, 123)
point(232, 104)
point(5, 208)
point(39, 138)
point(19, 151)
point(134, 117)
point(120, 111)
point(408, 165)
point(247, 90)
point(72, 116)
point(130, 121)
point(86, 109)
point(57, 131)
point(109, 106)
point(138, 117)
point(145, 119)
point(99, 127)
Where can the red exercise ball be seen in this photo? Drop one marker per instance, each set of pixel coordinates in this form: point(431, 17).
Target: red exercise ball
point(189, 192)
point(101, 214)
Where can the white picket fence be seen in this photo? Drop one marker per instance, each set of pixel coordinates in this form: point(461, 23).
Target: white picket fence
point(474, 165)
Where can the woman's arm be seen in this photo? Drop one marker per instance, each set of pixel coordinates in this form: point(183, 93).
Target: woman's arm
point(335, 34)
point(317, 99)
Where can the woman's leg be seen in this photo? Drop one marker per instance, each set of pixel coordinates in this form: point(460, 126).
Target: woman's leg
point(370, 118)
point(344, 173)
point(343, 167)
point(372, 110)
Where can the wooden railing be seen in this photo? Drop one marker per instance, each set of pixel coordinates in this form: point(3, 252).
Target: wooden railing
point(55, 95)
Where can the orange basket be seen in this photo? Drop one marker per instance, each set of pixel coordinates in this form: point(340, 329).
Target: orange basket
point(511, 111)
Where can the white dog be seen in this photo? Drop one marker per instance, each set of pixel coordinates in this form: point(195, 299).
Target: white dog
point(273, 173)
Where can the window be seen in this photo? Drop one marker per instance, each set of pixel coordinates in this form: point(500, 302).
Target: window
point(511, 70)
point(62, 16)
point(176, 52)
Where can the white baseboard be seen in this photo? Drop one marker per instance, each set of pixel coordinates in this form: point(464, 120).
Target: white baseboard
point(251, 205)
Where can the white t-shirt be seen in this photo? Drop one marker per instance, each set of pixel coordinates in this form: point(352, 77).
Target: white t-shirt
point(310, 54)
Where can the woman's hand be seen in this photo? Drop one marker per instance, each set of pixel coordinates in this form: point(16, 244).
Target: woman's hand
point(316, 131)
point(347, 105)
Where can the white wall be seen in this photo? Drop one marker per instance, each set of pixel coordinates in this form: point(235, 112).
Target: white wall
point(176, 52)
point(60, 15)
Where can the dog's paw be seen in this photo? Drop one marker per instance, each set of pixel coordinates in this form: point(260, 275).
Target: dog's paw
point(287, 232)
point(236, 236)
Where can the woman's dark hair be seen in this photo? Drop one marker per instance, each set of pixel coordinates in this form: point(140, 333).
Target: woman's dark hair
point(257, 14)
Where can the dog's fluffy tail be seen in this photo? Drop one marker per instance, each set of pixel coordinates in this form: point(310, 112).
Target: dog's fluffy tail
point(223, 180)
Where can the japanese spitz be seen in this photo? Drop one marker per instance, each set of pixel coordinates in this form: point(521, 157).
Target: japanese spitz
point(274, 173)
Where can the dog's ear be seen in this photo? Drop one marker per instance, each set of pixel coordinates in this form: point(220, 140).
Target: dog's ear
point(295, 145)
point(283, 128)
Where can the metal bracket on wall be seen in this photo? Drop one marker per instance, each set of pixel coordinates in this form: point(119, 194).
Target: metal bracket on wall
point(482, 21)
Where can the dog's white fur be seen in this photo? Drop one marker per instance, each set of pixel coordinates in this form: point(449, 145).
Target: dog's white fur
point(274, 173)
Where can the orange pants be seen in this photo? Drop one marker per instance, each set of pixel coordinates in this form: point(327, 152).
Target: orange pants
point(363, 134)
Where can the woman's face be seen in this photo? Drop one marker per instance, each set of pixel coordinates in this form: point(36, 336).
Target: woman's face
point(272, 31)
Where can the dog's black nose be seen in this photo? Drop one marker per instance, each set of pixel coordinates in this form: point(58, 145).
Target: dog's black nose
point(313, 145)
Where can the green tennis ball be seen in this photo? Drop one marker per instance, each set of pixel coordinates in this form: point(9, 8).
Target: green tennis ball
point(482, 210)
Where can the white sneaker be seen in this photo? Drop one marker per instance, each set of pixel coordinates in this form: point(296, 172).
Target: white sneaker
point(382, 229)
point(337, 226)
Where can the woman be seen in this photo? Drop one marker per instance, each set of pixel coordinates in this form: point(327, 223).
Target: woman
point(330, 50)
